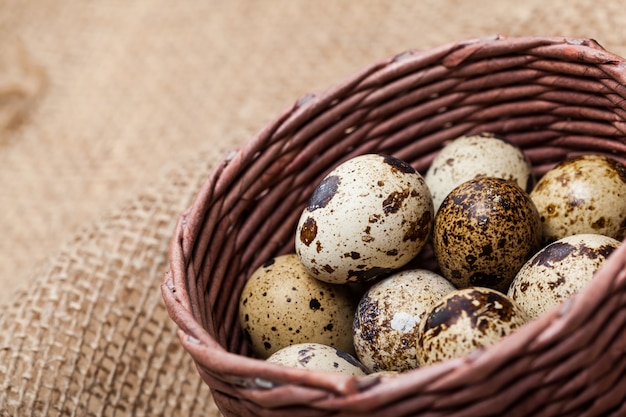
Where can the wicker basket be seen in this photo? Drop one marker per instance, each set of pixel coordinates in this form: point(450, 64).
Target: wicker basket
point(554, 97)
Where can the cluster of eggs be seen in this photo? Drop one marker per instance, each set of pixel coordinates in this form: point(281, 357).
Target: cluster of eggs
point(352, 297)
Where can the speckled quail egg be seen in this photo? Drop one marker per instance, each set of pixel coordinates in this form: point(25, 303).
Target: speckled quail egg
point(584, 194)
point(282, 304)
point(369, 216)
point(559, 270)
point(388, 316)
point(465, 320)
point(319, 357)
point(468, 157)
point(484, 231)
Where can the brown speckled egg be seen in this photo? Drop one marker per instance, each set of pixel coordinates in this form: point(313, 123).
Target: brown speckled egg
point(368, 217)
point(484, 231)
point(585, 194)
point(468, 157)
point(281, 304)
point(319, 357)
point(465, 320)
point(388, 316)
point(559, 270)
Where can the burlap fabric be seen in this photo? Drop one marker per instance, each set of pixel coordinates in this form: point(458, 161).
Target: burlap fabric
point(111, 115)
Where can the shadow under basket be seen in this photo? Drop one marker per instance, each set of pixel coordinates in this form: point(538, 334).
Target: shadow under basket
point(553, 97)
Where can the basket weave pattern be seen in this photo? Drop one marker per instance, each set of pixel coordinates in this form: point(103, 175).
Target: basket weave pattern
point(554, 97)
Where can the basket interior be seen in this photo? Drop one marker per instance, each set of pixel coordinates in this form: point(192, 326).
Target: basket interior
point(553, 99)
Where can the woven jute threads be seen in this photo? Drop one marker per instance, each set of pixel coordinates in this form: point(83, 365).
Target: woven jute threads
point(554, 97)
point(91, 336)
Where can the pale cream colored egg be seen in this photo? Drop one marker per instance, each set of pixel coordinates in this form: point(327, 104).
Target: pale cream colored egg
point(465, 320)
point(282, 304)
point(319, 357)
point(584, 194)
point(559, 270)
point(468, 157)
point(389, 314)
point(368, 217)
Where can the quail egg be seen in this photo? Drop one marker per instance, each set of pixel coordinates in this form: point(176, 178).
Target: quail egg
point(465, 320)
point(282, 304)
point(368, 217)
point(388, 315)
point(559, 270)
point(584, 194)
point(319, 357)
point(484, 231)
point(468, 157)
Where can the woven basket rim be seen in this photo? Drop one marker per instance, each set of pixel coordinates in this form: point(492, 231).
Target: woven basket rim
point(252, 378)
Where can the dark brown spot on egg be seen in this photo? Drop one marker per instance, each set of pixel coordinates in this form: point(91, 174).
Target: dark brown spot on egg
point(523, 286)
point(380, 183)
point(487, 250)
point(392, 252)
point(599, 224)
point(450, 161)
point(324, 192)
point(366, 319)
point(269, 263)
point(575, 201)
point(314, 304)
point(393, 202)
point(328, 327)
point(305, 356)
point(374, 218)
point(267, 345)
point(457, 199)
point(308, 232)
point(350, 359)
point(318, 246)
point(593, 253)
point(398, 164)
point(353, 255)
point(329, 269)
point(555, 252)
point(554, 284)
point(473, 303)
point(420, 229)
point(368, 274)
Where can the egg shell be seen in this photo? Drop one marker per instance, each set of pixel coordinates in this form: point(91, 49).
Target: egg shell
point(318, 357)
point(468, 157)
point(584, 194)
point(559, 270)
point(281, 304)
point(388, 316)
point(368, 217)
point(465, 320)
point(485, 230)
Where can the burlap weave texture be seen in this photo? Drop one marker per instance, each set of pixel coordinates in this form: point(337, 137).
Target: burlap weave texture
point(112, 113)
